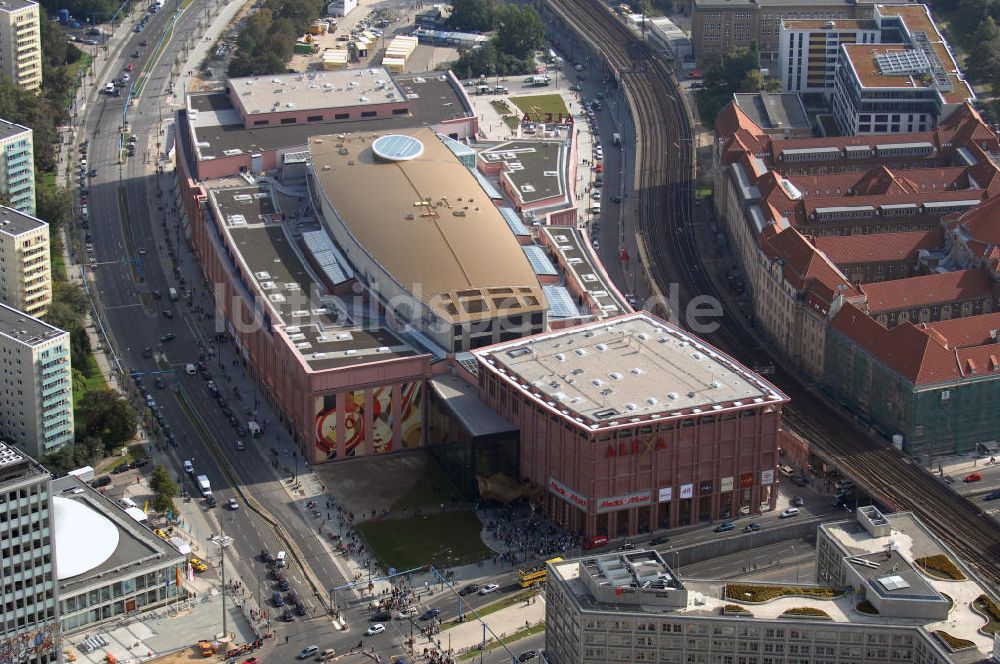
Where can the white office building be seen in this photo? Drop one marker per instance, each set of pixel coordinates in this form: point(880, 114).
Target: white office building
point(25, 265)
point(808, 51)
point(29, 617)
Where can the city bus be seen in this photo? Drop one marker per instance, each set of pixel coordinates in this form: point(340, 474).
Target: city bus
point(532, 575)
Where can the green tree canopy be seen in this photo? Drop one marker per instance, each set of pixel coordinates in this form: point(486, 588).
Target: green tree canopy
point(737, 71)
point(164, 490)
point(106, 416)
point(519, 30)
point(471, 15)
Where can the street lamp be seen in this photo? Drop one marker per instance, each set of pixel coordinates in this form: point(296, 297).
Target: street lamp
point(223, 541)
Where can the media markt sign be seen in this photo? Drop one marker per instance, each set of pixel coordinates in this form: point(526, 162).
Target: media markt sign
point(567, 494)
point(628, 501)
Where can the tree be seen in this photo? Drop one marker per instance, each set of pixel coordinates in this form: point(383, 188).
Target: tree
point(985, 66)
point(106, 416)
point(738, 71)
point(519, 30)
point(54, 205)
point(164, 490)
point(471, 15)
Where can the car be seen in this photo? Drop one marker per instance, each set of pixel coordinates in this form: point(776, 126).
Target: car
point(381, 616)
point(616, 199)
point(157, 295)
point(265, 556)
point(103, 480)
point(578, 67)
point(188, 467)
point(232, 504)
point(377, 628)
point(287, 616)
point(308, 651)
point(210, 501)
point(627, 546)
point(469, 589)
point(751, 527)
point(797, 481)
point(993, 495)
point(790, 512)
point(130, 67)
point(240, 446)
point(168, 314)
point(284, 585)
point(527, 656)
point(694, 74)
point(575, 88)
point(93, 173)
point(408, 612)
point(798, 501)
point(972, 477)
point(159, 533)
point(430, 614)
point(121, 468)
point(300, 609)
point(489, 588)
point(197, 565)
point(724, 527)
point(657, 541)
point(595, 542)
point(144, 42)
point(169, 336)
point(142, 251)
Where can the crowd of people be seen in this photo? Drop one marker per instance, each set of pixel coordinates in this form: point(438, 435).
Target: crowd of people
point(519, 533)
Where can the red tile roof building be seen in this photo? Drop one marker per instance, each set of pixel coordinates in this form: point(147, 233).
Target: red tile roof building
point(900, 231)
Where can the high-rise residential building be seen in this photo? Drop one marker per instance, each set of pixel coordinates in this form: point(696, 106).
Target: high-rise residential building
point(36, 383)
point(17, 167)
point(29, 618)
point(25, 272)
point(21, 43)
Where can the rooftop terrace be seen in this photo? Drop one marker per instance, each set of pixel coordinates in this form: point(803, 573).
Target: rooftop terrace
point(315, 90)
point(535, 169)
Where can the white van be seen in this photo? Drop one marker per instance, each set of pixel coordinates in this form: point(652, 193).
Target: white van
point(279, 560)
point(188, 467)
point(190, 369)
point(109, 88)
point(596, 208)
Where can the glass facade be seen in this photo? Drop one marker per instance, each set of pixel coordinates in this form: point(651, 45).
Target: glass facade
point(119, 598)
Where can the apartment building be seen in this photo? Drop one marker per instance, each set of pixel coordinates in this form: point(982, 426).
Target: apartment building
point(17, 167)
point(721, 26)
point(36, 384)
point(808, 51)
point(25, 270)
point(633, 607)
point(21, 43)
point(29, 617)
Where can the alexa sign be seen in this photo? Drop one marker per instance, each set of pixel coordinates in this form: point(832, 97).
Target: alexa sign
point(567, 494)
point(628, 501)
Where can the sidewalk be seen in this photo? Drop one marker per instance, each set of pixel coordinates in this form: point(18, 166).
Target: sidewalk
point(505, 622)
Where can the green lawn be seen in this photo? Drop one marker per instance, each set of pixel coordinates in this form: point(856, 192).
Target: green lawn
point(433, 488)
point(96, 381)
point(537, 106)
point(512, 121)
point(444, 539)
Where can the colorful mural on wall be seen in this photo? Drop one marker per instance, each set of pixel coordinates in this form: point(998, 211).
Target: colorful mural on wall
point(383, 421)
point(27, 646)
point(411, 405)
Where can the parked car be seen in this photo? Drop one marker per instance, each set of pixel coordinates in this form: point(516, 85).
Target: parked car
point(197, 565)
point(103, 480)
point(725, 526)
point(308, 651)
point(993, 495)
point(790, 512)
point(489, 588)
point(751, 527)
point(657, 541)
point(527, 656)
point(377, 628)
point(798, 501)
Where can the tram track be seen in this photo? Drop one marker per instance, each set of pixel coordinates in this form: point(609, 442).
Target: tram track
point(665, 173)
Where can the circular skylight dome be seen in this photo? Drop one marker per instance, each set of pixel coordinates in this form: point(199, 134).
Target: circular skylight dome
point(84, 539)
point(397, 147)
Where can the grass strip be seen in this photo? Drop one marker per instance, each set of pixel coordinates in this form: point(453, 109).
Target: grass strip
point(487, 609)
point(516, 636)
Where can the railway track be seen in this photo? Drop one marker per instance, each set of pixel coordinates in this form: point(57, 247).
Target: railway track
point(665, 173)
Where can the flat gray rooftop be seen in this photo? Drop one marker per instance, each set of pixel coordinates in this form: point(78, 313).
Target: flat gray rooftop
point(320, 333)
point(10, 129)
point(138, 552)
point(21, 327)
point(218, 129)
point(315, 89)
point(891, 575)
point(13, 222)
point(462, 401)
point(536, 169)
point(16, 467)
point(774, 110)
point(609, 372)
point(14, 5)
point(567, 244)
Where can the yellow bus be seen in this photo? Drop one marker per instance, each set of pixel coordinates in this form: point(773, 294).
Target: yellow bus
point(529, 577)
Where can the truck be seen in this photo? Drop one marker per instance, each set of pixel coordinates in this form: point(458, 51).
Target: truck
point(204, 485)
point(85, 474)
point(537, 81)
point(173, 294)
point(617, 139)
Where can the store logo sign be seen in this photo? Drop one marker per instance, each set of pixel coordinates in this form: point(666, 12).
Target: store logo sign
point(625, 502)
point(567, 494)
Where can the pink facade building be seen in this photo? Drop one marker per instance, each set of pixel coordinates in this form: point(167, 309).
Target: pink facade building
point(631, 424)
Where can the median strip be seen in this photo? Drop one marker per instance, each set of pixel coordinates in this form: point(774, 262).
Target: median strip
point(487, 609)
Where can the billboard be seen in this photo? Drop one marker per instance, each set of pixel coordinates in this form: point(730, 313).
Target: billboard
point(572, 497)
point(687, 490)
point(411, 423)
point(326, 426)
point(726, 484)
point(382, 437)
point(666, 494)
point(705, 487)
point(624, 502)
point(767, 476)
point(746, 480)
point(354, 423)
